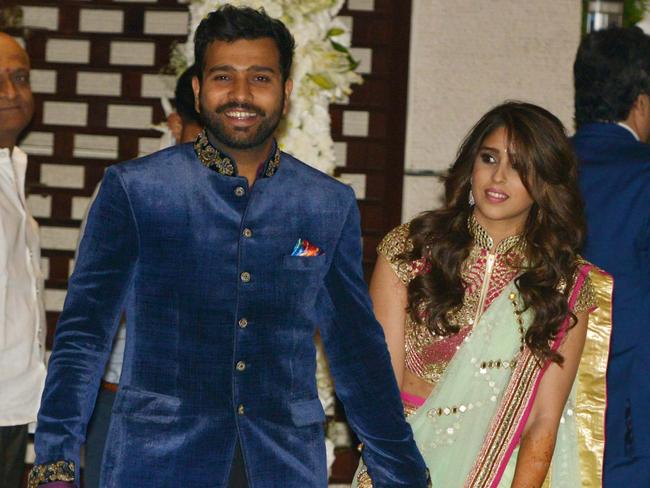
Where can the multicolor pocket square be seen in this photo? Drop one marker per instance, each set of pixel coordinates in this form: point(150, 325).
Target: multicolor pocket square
point(305, 248)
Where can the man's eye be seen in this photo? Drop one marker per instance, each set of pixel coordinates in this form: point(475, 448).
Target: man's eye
point(262, 78)
point(21, 78)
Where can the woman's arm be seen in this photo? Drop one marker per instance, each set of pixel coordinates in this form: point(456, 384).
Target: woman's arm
point(538, 439)
point(389, 299)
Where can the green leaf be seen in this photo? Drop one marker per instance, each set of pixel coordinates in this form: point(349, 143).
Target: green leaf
point(322, 81)
point(335, 31)
point(339, 47)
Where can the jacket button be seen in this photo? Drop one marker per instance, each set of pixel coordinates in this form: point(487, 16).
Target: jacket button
point(243, 322)
point(241, 366)
point(240, 410)
point(239, 191)
point(247, 233)
point(245, 276)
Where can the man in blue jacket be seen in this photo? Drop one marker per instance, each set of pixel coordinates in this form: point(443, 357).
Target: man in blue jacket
point(612, 112)
point(235, 253)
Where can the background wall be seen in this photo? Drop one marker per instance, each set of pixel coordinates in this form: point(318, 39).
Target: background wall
point(467, 56)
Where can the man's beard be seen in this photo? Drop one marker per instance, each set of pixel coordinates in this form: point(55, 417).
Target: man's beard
point(242, 139)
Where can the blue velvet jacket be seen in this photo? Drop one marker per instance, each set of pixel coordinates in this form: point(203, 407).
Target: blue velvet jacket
point(615, 182)
point(220, 346)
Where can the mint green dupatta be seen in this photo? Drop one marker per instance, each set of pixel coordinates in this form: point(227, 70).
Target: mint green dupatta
point(450, 428)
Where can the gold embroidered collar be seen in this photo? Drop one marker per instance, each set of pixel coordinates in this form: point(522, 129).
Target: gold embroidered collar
point(483, 239)
point(214, 159)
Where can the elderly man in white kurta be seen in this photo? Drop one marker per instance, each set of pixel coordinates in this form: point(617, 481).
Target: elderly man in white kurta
point(22, 319)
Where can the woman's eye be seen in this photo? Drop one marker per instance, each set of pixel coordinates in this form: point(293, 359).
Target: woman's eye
point(487, 158)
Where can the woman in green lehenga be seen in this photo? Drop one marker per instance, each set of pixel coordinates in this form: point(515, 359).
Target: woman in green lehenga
point(498, 330)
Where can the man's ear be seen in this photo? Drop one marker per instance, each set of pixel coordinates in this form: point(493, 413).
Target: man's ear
point(643, 103)
point(175, 124)
point(288, 87)
point(196, 87)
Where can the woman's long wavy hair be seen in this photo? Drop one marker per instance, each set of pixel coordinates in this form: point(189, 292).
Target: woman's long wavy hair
point(542, 156)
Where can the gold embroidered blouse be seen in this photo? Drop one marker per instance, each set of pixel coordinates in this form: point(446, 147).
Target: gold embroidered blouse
point(484, 274)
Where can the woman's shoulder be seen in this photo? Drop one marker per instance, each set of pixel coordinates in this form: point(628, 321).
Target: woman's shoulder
point(393, 246)
point(587, 279)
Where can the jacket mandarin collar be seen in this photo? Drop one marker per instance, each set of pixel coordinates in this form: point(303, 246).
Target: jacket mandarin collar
point(222, 163)
point(483, 239)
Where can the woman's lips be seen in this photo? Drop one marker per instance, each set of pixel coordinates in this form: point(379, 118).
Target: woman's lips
point(495, 196)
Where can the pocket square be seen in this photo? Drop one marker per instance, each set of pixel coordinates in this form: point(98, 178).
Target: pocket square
point(305, 248)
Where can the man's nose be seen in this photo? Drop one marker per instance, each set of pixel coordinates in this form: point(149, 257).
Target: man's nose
point(7, 88)
point(241, 90)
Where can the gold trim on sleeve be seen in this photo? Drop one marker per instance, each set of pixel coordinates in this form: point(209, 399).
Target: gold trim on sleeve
point(50, 472)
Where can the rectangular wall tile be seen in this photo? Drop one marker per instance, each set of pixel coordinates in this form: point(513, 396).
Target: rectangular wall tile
point(133, 53)
point(365, 5)
point(67, 51)
point(45, 267)
point(364, 56)
point(65, 113)
point(30, 454)
point(95, 146)
point(40, 205)
point(156, 86)
point(129, 116)
point(54, 300)
point(63, 175)
point(43, 80)
point(108, 84)
point(101, 20)
point(38, 143)
point(59, 238)
point(40, 17)
point(357, 182)
point(79, 206)
point(355, 123)
point(166, 23)
point(148, 145)
point(341, 153)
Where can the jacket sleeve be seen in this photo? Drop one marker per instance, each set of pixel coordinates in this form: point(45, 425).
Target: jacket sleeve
point(85, 329)
point(362, 371)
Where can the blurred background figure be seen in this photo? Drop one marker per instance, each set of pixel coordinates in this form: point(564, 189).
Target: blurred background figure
point(22, 317)
point(184, 122)
point(612, 113)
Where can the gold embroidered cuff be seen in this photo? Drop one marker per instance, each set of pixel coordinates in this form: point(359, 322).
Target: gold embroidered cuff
point(47, 473)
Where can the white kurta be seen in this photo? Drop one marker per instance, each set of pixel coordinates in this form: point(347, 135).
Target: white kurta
point(22, 315)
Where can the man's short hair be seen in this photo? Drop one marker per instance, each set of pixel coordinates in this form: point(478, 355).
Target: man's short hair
point(612, 68)
point(184, 97)
point(231, 24)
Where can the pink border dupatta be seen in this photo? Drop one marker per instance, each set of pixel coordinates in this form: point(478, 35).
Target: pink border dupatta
point(507, 425)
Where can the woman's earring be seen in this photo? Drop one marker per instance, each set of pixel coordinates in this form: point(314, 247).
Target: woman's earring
point(472, 202)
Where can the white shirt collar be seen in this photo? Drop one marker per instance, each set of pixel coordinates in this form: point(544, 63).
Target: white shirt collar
point(625, 126)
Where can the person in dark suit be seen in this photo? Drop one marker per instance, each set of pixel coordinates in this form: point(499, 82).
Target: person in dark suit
point(231, 253)
point(612, 113)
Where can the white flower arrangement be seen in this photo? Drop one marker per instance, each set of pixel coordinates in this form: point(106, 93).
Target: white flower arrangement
point(323, 70)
